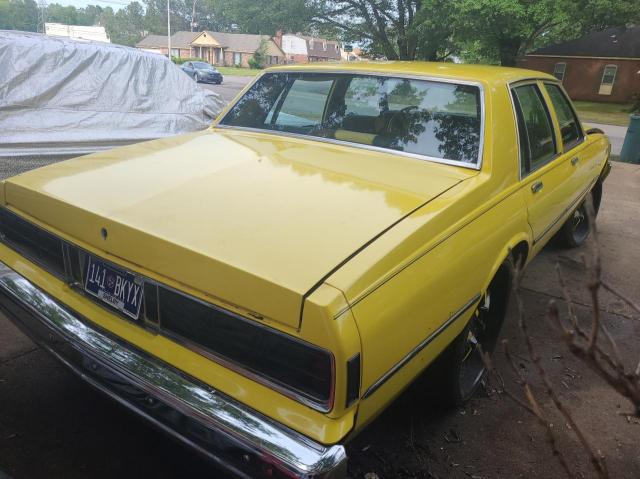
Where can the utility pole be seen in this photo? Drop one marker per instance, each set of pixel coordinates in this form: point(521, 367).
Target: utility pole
point(193, 16)
point(169, 27)
point(42, 16)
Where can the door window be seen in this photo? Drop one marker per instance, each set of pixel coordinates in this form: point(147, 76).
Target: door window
point(569, 124)
point(537, 141)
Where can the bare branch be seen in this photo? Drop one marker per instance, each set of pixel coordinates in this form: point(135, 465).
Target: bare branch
point(533, 407)
point(596, 460)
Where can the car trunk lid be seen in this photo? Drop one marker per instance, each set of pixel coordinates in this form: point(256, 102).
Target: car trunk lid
point(255, 220)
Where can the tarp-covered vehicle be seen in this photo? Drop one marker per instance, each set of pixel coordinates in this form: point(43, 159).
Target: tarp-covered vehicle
point(61, 98)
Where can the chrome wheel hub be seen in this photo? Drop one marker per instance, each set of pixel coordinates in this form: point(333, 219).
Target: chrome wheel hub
point(472, 368)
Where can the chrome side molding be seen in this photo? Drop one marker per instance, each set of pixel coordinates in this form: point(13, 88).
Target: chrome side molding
point(423, 344)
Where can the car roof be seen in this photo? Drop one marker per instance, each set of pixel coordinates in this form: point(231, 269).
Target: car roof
point(459, 71)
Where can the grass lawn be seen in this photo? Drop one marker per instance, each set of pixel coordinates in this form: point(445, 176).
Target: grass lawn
point(247, 72)
point(607, 113)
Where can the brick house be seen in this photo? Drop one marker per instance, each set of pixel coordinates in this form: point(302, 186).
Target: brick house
point(234, 49)
point(181, 43)
point(217, 48)
point(300, 48)
point(153, 44)
point(601, 66)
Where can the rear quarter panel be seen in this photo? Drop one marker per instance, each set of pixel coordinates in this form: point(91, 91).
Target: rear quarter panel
point(418, 275)
point(412, 301)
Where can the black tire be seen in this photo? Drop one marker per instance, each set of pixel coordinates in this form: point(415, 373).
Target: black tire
point(575, 231)
point(460, 368)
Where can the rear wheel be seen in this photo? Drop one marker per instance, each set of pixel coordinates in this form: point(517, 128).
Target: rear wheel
point(461, 366)
point(577, 228)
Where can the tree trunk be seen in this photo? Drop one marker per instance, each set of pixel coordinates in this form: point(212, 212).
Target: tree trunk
point(509, 49)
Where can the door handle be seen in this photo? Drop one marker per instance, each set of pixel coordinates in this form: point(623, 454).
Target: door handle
point(574, 161)
point(537, 186)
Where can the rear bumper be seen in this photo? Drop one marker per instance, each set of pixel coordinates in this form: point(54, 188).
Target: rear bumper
point(232, 435)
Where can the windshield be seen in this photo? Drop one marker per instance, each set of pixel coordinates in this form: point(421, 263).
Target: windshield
point(202, 66)
point(428, 118)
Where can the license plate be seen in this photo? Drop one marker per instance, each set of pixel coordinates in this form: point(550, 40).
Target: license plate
point(119, 289)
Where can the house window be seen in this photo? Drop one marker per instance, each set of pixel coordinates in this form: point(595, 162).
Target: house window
point(237, 58)
point(175, 52)
point(324, 46)
point(558, 71)
point(608, 79)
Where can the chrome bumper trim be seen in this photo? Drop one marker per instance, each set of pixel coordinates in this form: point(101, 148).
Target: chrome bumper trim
point(229, 433)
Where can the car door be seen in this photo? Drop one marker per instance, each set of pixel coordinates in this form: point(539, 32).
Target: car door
point(572, 139)
point(188, 69)
point(546, 174)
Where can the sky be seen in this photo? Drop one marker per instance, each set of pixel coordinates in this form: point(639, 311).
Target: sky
point(115, 4)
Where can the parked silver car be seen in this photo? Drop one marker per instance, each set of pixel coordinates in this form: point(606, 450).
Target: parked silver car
point(202, 72)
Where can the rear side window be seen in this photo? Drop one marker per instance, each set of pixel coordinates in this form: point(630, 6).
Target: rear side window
point(569, 124)
point(537, 141)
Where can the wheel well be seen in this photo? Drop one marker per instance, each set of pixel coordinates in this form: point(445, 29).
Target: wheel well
point(596, 194)
point(520, 253)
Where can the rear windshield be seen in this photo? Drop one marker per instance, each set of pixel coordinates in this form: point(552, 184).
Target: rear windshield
point(428, 118)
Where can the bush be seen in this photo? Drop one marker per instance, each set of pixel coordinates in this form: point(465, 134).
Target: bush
point(180, 61)
point(255, 64)
point(259, 57)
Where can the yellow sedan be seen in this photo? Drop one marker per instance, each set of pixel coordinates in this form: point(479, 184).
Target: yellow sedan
point(263, 289)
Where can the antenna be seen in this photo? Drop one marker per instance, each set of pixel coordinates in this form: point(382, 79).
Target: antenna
point(42, 15)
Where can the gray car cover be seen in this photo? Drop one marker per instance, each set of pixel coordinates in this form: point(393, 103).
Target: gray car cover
point(61, 98)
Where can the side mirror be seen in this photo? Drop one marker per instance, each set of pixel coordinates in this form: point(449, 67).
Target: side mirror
point(595, 131)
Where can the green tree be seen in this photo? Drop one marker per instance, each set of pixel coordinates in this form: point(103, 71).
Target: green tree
point(260, 16)
point(259, 59)
point(127, 25)
point(501, 31)
point(19, 15)
point(395, 29)
point(57, 13)
point(89, 15)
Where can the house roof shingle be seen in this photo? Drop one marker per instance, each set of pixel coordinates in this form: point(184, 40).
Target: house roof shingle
point(245, 42)
point(153, 41)
point(609, 43)
point(235, 42)
point(182, 39)
point(315, 47)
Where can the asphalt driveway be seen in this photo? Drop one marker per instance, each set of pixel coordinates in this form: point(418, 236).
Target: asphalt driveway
point(616, 135)
point(230, 86)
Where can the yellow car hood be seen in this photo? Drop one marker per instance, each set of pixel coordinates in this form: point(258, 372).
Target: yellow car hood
point(252, 219)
